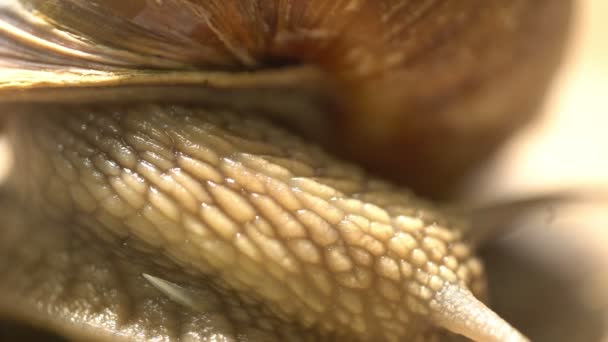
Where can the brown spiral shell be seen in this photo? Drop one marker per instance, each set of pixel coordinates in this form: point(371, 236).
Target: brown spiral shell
point(419, 91)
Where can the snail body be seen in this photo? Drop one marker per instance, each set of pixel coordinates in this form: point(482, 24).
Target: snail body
point(206, 199)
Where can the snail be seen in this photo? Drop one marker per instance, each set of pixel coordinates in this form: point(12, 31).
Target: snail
point(206, 170)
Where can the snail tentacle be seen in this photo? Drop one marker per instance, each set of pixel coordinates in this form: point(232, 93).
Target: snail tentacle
point(459, 311)
point(182, 295)
point(493, 219)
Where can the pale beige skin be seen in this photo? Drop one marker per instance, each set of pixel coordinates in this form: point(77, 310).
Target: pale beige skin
point(257, 227)
point(213, 221)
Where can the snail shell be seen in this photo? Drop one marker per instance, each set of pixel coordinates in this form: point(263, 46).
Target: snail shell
point(392, 75)
point(416, 91)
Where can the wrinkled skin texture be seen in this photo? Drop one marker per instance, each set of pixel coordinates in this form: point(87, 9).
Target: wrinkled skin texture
point(221, 200)
point(257, 234)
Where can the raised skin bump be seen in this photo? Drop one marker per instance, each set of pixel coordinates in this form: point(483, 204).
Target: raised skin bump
point(353, 281)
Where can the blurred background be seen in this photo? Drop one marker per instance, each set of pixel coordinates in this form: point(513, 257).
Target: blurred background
point(568, 144)
point(567, 147)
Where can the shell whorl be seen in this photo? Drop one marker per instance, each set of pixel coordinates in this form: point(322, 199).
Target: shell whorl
point(425, 76)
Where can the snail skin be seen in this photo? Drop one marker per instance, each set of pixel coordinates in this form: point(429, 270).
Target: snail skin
point(239, 170)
